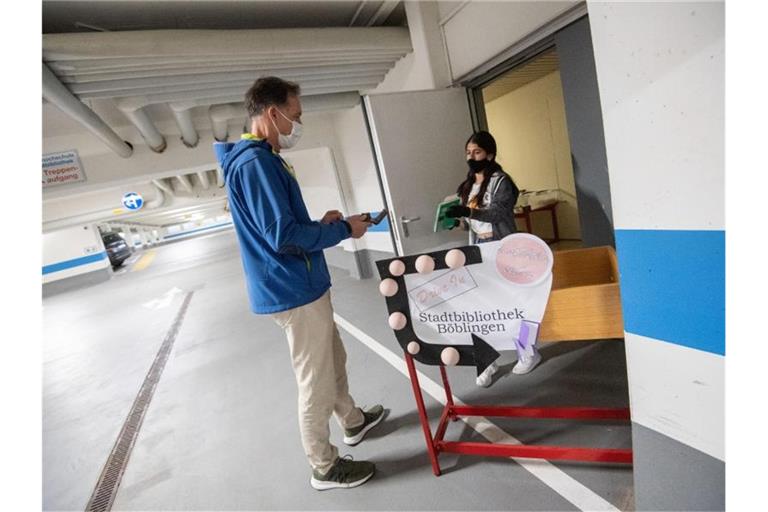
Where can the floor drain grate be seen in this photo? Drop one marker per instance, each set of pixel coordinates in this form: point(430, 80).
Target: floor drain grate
point(106, 489)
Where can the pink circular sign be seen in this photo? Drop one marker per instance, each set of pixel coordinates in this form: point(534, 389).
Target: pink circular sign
point(524, 259)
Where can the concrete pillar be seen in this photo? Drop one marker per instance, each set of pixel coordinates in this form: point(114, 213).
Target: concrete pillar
point(127, 234)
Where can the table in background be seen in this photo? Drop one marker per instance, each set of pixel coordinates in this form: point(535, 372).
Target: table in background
point(525, 214)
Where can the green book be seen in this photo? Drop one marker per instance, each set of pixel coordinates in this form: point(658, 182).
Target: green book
point(443, 223)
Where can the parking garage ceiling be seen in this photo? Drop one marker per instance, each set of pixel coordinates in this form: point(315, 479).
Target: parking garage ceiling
point(188, 55)
point(147, 63)
point(66, 16)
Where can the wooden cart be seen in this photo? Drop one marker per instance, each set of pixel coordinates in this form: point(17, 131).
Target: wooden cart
point(584, 304)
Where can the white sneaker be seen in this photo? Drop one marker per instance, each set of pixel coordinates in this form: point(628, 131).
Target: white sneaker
point(526, 364)
point(484, 379)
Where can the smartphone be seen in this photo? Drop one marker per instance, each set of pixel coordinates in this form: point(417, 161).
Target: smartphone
point(375, 220)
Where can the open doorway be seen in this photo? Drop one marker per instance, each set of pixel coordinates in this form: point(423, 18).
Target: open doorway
point(525, 112)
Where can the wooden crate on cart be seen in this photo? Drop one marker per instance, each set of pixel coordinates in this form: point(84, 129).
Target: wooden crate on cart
point(584, 303)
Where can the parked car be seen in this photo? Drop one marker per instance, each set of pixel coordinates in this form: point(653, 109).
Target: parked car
point(117, 248)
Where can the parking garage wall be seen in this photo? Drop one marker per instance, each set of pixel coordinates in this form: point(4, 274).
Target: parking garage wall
point(660, 68)
point(74, 252)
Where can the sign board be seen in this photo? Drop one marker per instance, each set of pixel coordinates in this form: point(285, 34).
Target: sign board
point(133, 201)
point(472, 300)
point(62, 168)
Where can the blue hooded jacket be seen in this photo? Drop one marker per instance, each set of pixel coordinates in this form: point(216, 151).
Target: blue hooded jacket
point(281, 247)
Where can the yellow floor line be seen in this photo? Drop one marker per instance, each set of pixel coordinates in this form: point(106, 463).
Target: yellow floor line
point(144, 261)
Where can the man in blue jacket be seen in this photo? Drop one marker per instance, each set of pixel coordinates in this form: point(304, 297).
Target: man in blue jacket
point(287, 277)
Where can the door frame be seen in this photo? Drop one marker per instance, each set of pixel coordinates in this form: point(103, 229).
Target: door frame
point(474, 87)
point(382, 191)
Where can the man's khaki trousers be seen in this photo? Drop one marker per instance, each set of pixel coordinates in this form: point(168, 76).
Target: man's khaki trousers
point(319, 361)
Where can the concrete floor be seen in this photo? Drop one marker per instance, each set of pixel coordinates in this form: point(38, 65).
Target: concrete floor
point(221, 430)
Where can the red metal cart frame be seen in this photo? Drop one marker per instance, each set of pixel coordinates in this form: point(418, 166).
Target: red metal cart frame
point(451, 412)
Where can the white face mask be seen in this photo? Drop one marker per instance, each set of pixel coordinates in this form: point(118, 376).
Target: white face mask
point(290, 140)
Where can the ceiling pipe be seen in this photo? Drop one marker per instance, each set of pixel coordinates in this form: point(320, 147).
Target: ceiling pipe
point(162, 185)
point(183, 116)
point(383, 12)
point(55, 92)
point(219, 177)
point(357, 13)
point(157, 201)
point(204, 181)
point(221, 114)
point(138, 116)
point(185, 182)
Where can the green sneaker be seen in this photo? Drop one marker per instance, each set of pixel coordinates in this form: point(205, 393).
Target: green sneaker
point(345, 474)
point(371, 418)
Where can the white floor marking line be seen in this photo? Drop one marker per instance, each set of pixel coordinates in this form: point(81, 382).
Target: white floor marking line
point(559, 481)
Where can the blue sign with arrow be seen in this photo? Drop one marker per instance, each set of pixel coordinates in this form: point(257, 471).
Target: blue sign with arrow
point(133, 201)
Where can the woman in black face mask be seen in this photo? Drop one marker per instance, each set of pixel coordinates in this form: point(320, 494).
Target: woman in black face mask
point(488, 195)
point(488, 198)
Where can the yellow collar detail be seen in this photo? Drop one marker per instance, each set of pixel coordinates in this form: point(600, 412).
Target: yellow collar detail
point(288, 167)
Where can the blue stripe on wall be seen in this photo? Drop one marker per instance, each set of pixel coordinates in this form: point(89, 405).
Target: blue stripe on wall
point(381, 226)
point(673, 286)
point(63, 265)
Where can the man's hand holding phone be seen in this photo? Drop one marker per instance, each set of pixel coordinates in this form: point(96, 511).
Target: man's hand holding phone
point(375, 220)
point(358, 224)
point(332, 216)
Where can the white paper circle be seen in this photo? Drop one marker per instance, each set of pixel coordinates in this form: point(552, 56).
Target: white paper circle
point(524, 259)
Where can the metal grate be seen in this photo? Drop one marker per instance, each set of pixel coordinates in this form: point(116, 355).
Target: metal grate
point(106, 489)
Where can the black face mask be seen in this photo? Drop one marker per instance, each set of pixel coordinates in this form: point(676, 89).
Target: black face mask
point(477, 165)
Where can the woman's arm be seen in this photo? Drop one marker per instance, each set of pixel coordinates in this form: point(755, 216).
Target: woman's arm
point(502, 203)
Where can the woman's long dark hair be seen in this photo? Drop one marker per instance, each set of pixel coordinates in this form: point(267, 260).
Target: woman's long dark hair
point(486, 142)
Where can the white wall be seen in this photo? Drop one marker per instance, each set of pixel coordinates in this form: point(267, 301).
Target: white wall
point(480, 30)
point(71, 244)
point(426, 67)
point(532, 137)
point(358, 171)
point(668, 79)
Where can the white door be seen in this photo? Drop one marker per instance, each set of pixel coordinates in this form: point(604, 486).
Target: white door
point(419, 141)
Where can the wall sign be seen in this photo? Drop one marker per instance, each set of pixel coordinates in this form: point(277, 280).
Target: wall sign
point(133, 201)
point(463, 305)
point(62, 168)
